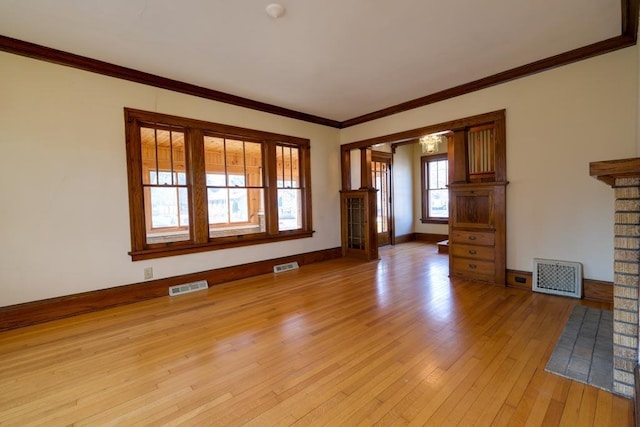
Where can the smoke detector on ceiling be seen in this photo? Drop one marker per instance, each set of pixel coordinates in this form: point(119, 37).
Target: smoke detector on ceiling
point(275, 10)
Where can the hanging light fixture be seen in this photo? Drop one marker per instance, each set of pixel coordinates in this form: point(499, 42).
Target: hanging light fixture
point(275, 10)
point(430, 143)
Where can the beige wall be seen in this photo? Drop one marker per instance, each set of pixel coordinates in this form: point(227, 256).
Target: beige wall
point(557, 122)
point(64, 209)
point(64, 213)
point(418, 226)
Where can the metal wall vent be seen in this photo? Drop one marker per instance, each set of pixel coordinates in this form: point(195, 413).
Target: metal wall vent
point(188, 287)
point(285, 267)
point(557, 277)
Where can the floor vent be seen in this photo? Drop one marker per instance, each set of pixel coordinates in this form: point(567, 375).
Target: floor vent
point(557, 277)
point(188, 287)
point(285, 267)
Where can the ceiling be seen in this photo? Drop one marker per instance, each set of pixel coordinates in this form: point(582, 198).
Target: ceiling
point(335, 59)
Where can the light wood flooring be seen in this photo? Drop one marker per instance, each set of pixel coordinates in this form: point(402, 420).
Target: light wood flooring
point(339, 343)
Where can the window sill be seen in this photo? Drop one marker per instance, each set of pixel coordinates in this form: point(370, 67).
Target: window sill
point(181, 248)
point(434, 221)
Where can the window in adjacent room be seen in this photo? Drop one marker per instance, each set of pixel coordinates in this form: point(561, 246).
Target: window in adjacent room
point(196, 186)
point(435, 195)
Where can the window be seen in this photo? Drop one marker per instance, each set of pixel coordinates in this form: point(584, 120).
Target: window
point(435, 195)
point(197, 186)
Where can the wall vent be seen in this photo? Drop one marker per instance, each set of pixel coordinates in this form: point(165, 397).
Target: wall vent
point(285, 267)
point(188, 287)
point(557, 277)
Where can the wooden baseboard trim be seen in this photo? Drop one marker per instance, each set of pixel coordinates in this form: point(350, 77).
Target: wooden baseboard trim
point(430, 238)
point(593, 290)
point(405, 238)
point(17, 316)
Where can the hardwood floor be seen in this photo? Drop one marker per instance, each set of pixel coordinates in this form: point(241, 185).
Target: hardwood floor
point(339, 343)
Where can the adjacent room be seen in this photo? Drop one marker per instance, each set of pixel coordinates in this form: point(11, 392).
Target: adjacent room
point(305, 213)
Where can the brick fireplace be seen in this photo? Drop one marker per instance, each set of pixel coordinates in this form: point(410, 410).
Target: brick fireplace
point(624, 176)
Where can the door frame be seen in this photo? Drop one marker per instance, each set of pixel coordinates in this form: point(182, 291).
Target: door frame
point(385, 157)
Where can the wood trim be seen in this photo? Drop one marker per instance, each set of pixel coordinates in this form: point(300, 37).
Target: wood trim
point(628, 37)
point(35, 51)
point(521, 275)
point(424, 191)
point(365, 168)
point(593, 290)
point(345, 169)
point(598, 290)
point(32, 313)
point(430, 238)
point(630, 10)
point(607, 171)
point(405, 238)
point(199, 239)
point(410, 136)
point(595, 49)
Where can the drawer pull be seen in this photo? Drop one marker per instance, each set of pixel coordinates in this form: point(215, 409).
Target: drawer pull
point(472, 237)
point(472, 251)
point(473, 266)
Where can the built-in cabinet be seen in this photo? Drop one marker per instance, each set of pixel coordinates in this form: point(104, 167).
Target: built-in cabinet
point(358, 213)
point(477, 197)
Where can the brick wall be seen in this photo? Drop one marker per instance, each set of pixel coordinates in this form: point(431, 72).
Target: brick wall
point(625, 292)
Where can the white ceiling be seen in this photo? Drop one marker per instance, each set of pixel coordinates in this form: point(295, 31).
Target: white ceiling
point(336, 59)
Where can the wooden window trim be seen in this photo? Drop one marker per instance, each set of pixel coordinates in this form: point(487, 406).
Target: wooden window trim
point(196, 182)
point(424, 192)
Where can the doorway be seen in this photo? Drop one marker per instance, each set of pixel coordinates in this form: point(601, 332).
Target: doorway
point(381, 178)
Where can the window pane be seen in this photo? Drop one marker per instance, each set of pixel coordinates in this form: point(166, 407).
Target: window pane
point(287, 167)
point(289, 209)
point(238, 205)
point(168, 214)
point(442, 173)
point(253, 164)
point(234, 180)
point(215, 180)
point(228, 217)
point(439, 203)
point(234, 151)
point(166, 197)
point(218, 205)
point(433, 175)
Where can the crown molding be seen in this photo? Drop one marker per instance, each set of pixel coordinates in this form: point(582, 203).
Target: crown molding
point(35, 51)
point(628, 37)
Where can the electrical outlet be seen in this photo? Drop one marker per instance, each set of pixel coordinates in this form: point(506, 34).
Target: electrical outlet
point(148, 273)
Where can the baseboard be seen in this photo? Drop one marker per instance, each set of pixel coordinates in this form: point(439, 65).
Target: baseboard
point(430, 238)
point(593, 290)
point(405, 238)
point(31, 313)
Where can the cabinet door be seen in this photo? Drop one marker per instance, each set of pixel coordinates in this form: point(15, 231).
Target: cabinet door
point(473, 208)
point(359, 235)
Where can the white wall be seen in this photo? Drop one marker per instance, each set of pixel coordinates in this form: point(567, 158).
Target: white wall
point(557, 122)
point(419, 227)
point(403, 188)
point(64, 212)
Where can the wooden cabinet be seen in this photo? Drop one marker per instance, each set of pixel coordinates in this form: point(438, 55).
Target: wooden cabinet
point(477, 232)
point(477, 197)
point(359, 237)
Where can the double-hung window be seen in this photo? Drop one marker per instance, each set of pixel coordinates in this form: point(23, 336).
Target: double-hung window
point(197, 186)
point(435, 194)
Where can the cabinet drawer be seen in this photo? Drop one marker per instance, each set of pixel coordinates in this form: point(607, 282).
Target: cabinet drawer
point(473, 237)
point(473, 269)
point(486, 253)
